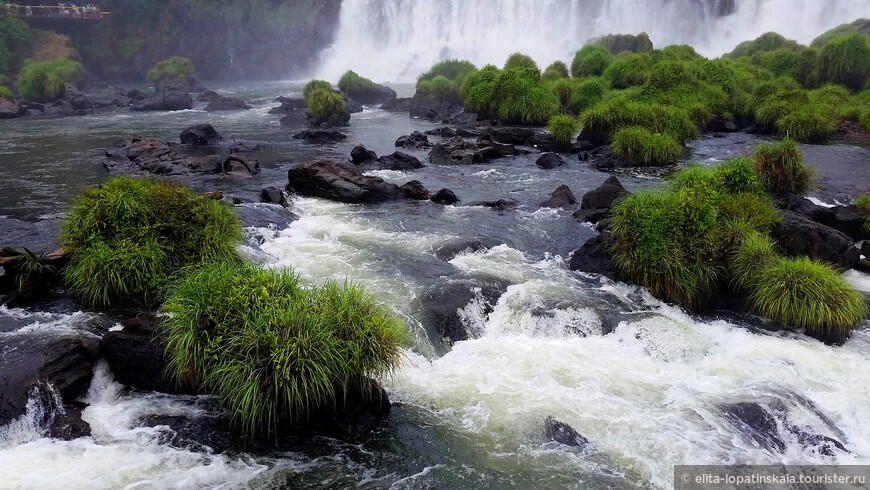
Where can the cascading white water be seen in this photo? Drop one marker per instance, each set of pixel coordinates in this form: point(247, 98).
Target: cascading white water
point(397, 40)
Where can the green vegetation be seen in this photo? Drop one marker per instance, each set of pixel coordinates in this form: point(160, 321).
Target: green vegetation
point(618, 43)
point(628, 70)
point(643, 148)
point(615, 113)
point(590, 61)
point(325, 106)
point(860, 26)
point(5, 93)
point(563, 128)
point(441, 88)
point(315, 85)
point(846, 60)
point(45, 81)
point(769, 41)
point(521, 61)
point(586, 93)
point(803, 293)
point(557, 70)
point(755, 251)
point(352, 82)
point(14, 35)
point(129, 238)
point(780, 167)
point(453, 70)
point(274, 351)
point(174, 68)
point(863, 202)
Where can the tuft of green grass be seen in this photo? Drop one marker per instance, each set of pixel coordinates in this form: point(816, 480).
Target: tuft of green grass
point(273, 351)
point(754, 252)
point(811, 124)
point(314, 85)
point(555, 71)
point(453, 70)
point(802, 293)
point(618, 43)
point(590, 61)
point(476, 90)
point(352, 82)
point(846, 60)
point(173, 68)
point(563, 128)
point(5, 93)
point(585, 94)
point(45, 81)
point(639, 146)
point(440, 87)
point(628, 70)
point(520, 98)
point(129, 238)
point(326, 106)
point(863, 202)
point(780, 167)
point(769, 41)
point(521, 61)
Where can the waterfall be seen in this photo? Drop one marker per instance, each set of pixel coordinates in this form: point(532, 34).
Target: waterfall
point(396, 40)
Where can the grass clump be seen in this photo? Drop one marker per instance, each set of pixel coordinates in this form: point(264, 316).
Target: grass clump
point(628, 70)
point(590, 61)
point(618, 43)
point(863, 202)
point(613, 114)
point(326, 106)
point(476, 89)
point(769, 41)
point(860, 26)
point(555, 71)
point(273, 351)
point(45, 81)
point(846, 60)
point(352, 82)
point(640, 147)
point(563, 128)
point(441, 88)
point(585, 94)
point(174, 68)
point(811, 124)
point(129, 238)
point(755, 251)
point(518, 97)
point(315, 85)
point(521, 61)
point(864, 119)
point(780, 167)
point(6, 93)
point(453, 70)
point(803, 293)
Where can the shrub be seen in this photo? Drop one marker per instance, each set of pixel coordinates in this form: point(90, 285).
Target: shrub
point(860, 26)
point(585, 94)
point(609, 116)
point(680, 52)
point(562, 88)
point(617, 43)
point(273, 351)
point(628, 70)
point(846, 60)
point(780, 167)
point(174, 68)
point(563, 128)
point(811, 124)
point(315, 85)
point(667, 242)
point(523, 61)
point(5, 93)
point(769, 41)
point(476, 89)
point(520, 98)
point(326, 106)
point(755, 252)
point(453, 70)
point(439, 87)
point(864, 119)
point(555, 71)
point(590, 61)
point(352, 82)
point(129, 238)
point(802, 293)
point(45, 81)
point(641, 147)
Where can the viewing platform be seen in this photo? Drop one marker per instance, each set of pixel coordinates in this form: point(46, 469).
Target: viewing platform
point(64, 12)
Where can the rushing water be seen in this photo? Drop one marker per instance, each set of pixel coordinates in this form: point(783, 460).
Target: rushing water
point(406, 37)
point(647, 396)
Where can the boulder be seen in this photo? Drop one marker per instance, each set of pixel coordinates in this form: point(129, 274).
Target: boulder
point(399, 161)
point(498, 205)
point(171, 98)
point(847, 219)
point(319, 136)
point(273, 195)
point(376, 94)
point(460, 152)
point(31, 362)
point(78, 99)
point(604, 195)
point(463, 119)
point(448, 251)
point(403, 104)
point(209, 165)
point(137, 95)
point(226, 104)
point(549, 161)
point(136, 356)
point(241, 163)
point(444, 132)
point(798, 235)
point(563, 434)
point(114, 100)
point(351, 106)
point(288, 105)
point(21, 285)
point(503, 149)
point(297, 118)
point(414, 140)
point(562, 197)
point(263, 215)
point(59, 108)
point(339, 181)
point(415, 190)
point(511, 135)
point(443, 303)
point(360, 155)
point(208, 96)
point(445, 196)
point(200, 135)
point(594, 257)
point(590, 215)
point(424, 112)
point(756, 423)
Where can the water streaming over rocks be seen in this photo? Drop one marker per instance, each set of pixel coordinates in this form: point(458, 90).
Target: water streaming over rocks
point(647, 385)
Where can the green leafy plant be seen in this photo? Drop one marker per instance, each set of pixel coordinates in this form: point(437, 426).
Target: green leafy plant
point(618, 43)
point(326, 106)
point(45, 81)
point(453, 70)
point(555, 71)
point(586, 93)
point(173, 68)
point(628, 70)
point(519, 98)
point(129, 238)
point(352, 82)
point(5, 93)
point(521, 61)
point(755, 251)
point(273, 351)
point(846, 60)
point(638, 146)
point(590, 61)
point(32, 266)
point(315, 85)
point(440, 87)
point(780, 166)
point(563, 128)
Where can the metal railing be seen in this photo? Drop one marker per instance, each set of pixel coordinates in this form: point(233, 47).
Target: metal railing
point(59, 11)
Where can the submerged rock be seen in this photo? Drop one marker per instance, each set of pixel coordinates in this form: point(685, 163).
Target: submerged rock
point(273, 195)
point(594, 257)
point(376, 94)
point(320, 135)
point(200, 135)
point(563, 434)
point(399, 161)
point(414, 140)
point(415, 190)
point(549, 161)
point(339, 182)
point(445, 196)
point(226, 104)
point(170, 98)
point(9, 109)
point(498, 205)
point(136, 356)
point(444, 303)
point(562, 197)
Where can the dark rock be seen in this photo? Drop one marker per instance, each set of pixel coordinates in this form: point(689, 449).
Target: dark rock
point(289, 105)
point(200, 135)
point(511, 135)
point(443, 302)
point(604, 196)
point(545, 141)
point(297, 118)
point(503, 149)
point(273, 195)
point(471, 133)
point(757, 423)
point(413, 140)
point(351, 106)
point(444, 132)
point(147, 149)
point(460, 152)
point(339, 182)
point(320, 135)
point(594, 257)
point(798, 235)
point(403, 104)
point(424, 112)
point(718, 125)
point(59, 108)
point(450, 250)
point(136, 356)
point(847, 219)
point(31, 361)
point(209, 165)
point(399, 161)
point(590, 215)
point(241, 164)
point(498, 205)
point(463, 119)
point(360, 155)
point(137, 95)
point(376, 94)
point(415, 190)
point(562, 197)
point(263, 215)
point(581, 145)
point(445, 196)
point(114, 100)
point(77, 99)
point(21, 285)
point(65, 422)
point(208, 96)
point(171, 98)
point(563, 434)
point(226, 104)
point(549, 161)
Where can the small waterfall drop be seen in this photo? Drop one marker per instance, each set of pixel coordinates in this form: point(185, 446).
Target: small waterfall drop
point(397, 40)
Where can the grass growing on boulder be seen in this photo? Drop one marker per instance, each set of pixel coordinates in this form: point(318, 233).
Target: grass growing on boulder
point(613, 114)
point(454, 70)
point(810, 124)
point(519, 98)
point(780, 166)
point(441, 88)
point(618, 43)
point(846, 60)
point(521, 61)
point(628, 70)
point(326, 106)
point(755, 251)
point(353, 82)
point(174, 68)
point(586, 93)
point(315, 85)
point(273, 351)
point(590, 61)
point(641, 147)
point(45, 81)
point(769, 41)
point(803, 293)
point(476, 89)
point(563, 128)
point(129, 238)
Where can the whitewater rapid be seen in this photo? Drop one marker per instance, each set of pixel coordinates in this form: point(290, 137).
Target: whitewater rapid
point(397, 40)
